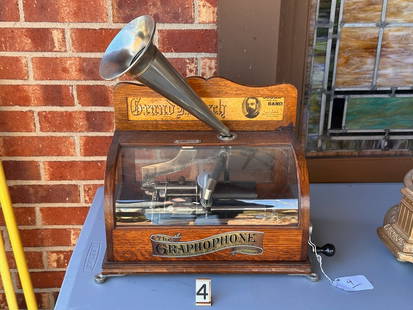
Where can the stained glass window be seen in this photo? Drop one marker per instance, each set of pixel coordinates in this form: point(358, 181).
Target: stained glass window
point(361, 86)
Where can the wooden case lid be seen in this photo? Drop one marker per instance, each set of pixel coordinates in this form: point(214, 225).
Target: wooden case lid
point(241, 108)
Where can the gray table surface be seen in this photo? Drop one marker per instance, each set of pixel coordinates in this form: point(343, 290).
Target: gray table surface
point(346, 215)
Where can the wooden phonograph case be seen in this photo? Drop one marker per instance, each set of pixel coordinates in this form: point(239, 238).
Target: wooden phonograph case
point(180, 197)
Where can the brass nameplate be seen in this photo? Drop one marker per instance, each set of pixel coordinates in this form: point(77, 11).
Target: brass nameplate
point(241, 242)
point(230, 109)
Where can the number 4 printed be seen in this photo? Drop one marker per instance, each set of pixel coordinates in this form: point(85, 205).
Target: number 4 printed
point(203, 292)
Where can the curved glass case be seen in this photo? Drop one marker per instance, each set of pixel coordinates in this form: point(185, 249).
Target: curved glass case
point(206, 185)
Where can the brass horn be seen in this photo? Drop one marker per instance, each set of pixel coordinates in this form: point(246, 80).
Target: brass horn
point(132, 51)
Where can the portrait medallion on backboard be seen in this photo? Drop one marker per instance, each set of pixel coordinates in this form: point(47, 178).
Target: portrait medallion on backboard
point(251, 107)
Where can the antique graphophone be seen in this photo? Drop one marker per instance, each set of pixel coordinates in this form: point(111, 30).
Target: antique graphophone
point(182, 198)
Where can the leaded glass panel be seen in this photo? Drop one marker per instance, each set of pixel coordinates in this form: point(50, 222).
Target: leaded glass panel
point(361, 86)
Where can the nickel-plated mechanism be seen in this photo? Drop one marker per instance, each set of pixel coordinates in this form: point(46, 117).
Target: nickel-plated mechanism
point(133, 52)
point(200, 190)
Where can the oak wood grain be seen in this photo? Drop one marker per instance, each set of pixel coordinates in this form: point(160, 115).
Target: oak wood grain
point(133, 245)
point(212, 88)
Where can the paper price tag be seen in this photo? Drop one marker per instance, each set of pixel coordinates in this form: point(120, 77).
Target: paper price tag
point(353, 283)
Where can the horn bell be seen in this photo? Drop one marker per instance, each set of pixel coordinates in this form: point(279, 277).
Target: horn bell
point(132, 51)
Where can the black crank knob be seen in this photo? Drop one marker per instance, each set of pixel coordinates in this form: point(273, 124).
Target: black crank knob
point(328, 249)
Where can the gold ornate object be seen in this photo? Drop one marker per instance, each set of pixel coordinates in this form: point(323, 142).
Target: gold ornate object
point(397, 230)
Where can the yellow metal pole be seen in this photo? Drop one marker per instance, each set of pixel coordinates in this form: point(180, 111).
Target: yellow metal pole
point(6, 278)
point(16, 243)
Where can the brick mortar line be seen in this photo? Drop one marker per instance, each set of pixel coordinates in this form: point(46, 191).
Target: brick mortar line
point(36, 121)
point(82, 193)
point(70, 54)
point(21, 10)
point(49, 248)
point(31, 227)
point(54, 182)
point(42, 170)
point(106, 25)
point(196, 10)
point(49, 108)
point(77, 146)
point(68, 40)
point(30, 68)
point(51, 205)
point(57, 82)
point(53, 158)
point(37, 216)
point(37, 290)
point(75, 97)
point(46, 290)
point(56, 134)
point(72, 92)
point(44, 269)
point(44, 259)
point(198, 63)
point(46, 54)
point(6, 240)
point(109, 11)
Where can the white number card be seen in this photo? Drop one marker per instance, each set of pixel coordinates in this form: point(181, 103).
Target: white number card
point(203, 292)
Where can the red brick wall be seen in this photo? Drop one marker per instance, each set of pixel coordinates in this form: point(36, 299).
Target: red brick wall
point(56, 115)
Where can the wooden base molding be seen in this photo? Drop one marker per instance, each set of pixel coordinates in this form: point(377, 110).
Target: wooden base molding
point(299, 268)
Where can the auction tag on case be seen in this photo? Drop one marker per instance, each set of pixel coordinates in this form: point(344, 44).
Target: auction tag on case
point(203, 292)
point(353, 283)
